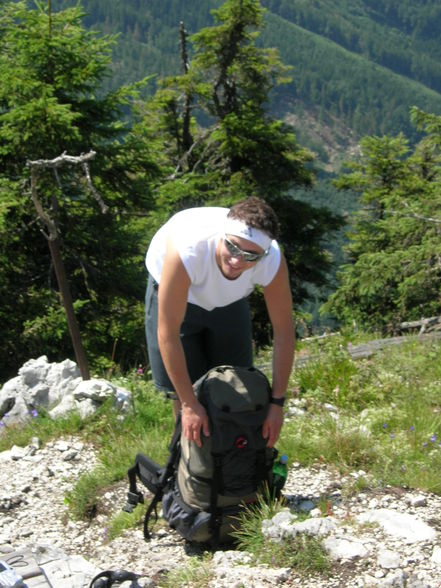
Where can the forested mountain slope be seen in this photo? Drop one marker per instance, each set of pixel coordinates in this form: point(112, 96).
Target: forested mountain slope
point(358, 64)
point(400, 35)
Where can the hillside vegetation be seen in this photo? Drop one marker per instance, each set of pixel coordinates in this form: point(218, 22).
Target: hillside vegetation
point(362, 63)
point(205, 136)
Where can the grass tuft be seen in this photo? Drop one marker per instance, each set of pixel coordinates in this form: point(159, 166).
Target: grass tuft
point(197, 572)
point(303, 553)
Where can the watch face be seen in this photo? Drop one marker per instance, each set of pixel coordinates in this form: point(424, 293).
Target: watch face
point(278, 401)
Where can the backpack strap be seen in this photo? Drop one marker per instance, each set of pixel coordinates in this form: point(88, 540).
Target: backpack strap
point(108, 578)
point(166, 476)
point(134, 497)
point(217, 484)
point(261, 470)
point(152, 508)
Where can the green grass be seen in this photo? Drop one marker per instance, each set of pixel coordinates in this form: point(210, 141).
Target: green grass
point(117, 439)
point(147, 430)
point(198, 573)
point(388, 407)
point(124, 520)
point(304, 553)
point(387, 423)
point(43, 427)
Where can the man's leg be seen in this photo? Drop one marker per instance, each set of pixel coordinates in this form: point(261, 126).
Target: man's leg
point(192, 342)
point(159, 373)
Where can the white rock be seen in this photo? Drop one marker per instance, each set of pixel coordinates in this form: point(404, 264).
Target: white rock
point(402, 525)
point(95, 389)
point(61, 445)
point(67, 404)
point(417, 501)
point(345, 548)
point(57, 388)
point(317, 527)
point(436, 555)
point(18, 452)
point(389, 559)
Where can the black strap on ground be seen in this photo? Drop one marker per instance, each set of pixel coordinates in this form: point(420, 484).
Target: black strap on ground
point(152, 508)
point(110, 577)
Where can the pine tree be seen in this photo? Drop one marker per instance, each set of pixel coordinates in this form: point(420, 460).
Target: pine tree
point(230, 147)
point(51, 102)
point(394, 270)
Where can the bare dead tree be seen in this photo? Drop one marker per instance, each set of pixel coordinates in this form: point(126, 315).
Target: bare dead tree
point(187, 139)
point(54, 242)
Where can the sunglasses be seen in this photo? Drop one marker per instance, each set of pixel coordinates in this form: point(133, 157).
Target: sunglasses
point(236, 251)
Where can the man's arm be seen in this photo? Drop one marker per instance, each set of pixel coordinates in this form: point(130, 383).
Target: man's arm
point(172, 304)
point(278, 301)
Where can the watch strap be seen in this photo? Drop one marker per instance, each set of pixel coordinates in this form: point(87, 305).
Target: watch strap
point(278, 401)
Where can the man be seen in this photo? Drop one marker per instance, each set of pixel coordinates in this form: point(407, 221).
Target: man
point(202, 264)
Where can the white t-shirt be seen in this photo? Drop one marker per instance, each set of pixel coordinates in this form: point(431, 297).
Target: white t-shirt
point(195, 233)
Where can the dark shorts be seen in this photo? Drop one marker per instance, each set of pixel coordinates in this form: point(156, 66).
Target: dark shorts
point(221, 336)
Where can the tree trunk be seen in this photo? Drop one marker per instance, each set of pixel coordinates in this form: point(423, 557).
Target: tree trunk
point(55, 249)
point(63, 284)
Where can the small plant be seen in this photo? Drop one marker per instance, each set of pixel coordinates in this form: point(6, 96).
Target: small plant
point(359, 484)
point(305, 554)
point(198, 573)
point(82, 500)
point(125, 520)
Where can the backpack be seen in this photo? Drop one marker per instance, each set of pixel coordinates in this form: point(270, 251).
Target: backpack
point(204, 489)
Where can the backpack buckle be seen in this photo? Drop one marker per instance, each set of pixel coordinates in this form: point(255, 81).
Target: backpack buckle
point(133, 499)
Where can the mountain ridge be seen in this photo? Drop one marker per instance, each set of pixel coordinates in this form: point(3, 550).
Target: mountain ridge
point(336, 49)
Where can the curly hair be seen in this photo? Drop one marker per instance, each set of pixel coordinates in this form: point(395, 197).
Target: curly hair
point(256, 213)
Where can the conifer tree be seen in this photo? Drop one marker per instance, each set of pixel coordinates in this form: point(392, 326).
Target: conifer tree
point(237, 149)
point(394, 271)
point(51, 102)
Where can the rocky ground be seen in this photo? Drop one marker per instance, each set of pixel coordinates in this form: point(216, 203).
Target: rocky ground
point(402, 551)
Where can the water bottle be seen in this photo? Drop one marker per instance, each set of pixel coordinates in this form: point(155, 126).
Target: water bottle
point(280, 473)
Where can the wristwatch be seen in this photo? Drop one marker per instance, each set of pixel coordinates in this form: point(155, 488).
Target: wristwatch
point(278, 401)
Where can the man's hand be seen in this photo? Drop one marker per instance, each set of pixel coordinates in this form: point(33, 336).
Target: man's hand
point(194, 419)
point(273, 424)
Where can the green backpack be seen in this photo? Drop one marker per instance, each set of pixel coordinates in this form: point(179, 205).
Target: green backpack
point(203, 489)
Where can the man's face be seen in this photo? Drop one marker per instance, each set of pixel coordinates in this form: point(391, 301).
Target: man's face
point(231, 256)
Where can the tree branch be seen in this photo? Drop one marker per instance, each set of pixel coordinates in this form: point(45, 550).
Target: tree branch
point(57, 162)
point(101, 203)
point(428, 219)
point(60, 160)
